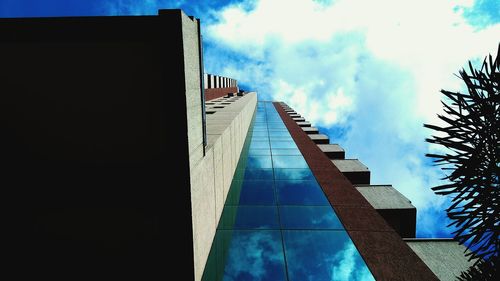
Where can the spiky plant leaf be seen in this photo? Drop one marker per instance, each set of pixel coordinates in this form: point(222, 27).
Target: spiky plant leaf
point(472, 135)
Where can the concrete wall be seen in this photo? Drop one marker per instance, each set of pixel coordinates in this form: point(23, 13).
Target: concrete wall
point(192, 81)
point(211, 175)
point(445, 257)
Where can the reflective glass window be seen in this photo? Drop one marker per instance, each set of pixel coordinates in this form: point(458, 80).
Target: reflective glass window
point(290, 151)
point(283, 144)
point(263, 133)
point(259, 162)
point(249, 217)
point(323, 255)
point(258, 174)
point(251, 193)
point(287, 161)
point(309, 217)
point(259, 152)
point(259, 145)
point(292, 192)
point(246, 255)
point(293, 174)
point(274, 200)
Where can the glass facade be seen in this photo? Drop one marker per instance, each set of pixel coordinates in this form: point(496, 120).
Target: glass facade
point(277, 223)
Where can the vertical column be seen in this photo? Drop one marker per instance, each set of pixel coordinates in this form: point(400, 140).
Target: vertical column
point(385, 253)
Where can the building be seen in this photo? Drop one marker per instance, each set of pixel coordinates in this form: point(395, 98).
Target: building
point(124, 159)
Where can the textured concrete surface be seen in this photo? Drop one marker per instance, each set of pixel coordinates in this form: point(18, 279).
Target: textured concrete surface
point(310, 130)
point(201, 166)
point(354, 170)
point(350, 165)
point(192, 83)
point(212, 174)
point(304, 124)
point(395, 208)
point(320, 138)
point(384, 197)
point(444, 257)
point(203, 210)
point(333, 151)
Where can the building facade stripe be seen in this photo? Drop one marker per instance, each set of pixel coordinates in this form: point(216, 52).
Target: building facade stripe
point(385, 253)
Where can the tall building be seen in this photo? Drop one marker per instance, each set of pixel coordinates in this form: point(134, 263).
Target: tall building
point(122, 158)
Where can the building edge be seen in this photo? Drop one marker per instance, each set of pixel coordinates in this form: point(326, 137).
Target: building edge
point(387, 256)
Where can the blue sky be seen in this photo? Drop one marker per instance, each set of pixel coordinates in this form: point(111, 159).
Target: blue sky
point(368, 73)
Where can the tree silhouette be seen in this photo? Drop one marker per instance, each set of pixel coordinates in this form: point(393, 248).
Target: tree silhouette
point(471, 136)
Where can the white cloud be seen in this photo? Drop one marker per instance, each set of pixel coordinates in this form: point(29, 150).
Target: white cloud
point(348, 267)
point(374, 67)
point(428, 38)
point(254, 255)
point(347, 264)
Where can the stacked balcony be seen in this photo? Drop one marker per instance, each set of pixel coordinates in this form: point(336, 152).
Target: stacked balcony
point(394, 207)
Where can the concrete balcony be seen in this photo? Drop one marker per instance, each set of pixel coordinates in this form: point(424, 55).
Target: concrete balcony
point(445, 257)
point(304, 124)
point(298, 119)
point(310, 130)
point(393, 206)
point(320, 138)
point(333, 151)
point(353, 170)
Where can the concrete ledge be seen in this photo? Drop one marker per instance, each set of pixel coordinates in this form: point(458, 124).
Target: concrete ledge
point(299, 119)
point(304, 124)
point(353, 170)
point(428, 239)
point(310, 130)
point(445, 257)
point(320, 138)
point(333, 151)
point(395, 208)
point(384, 197)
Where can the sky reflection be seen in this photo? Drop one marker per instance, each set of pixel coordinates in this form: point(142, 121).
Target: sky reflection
point(254, 255)
point(275, 200)
point(323, 255)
